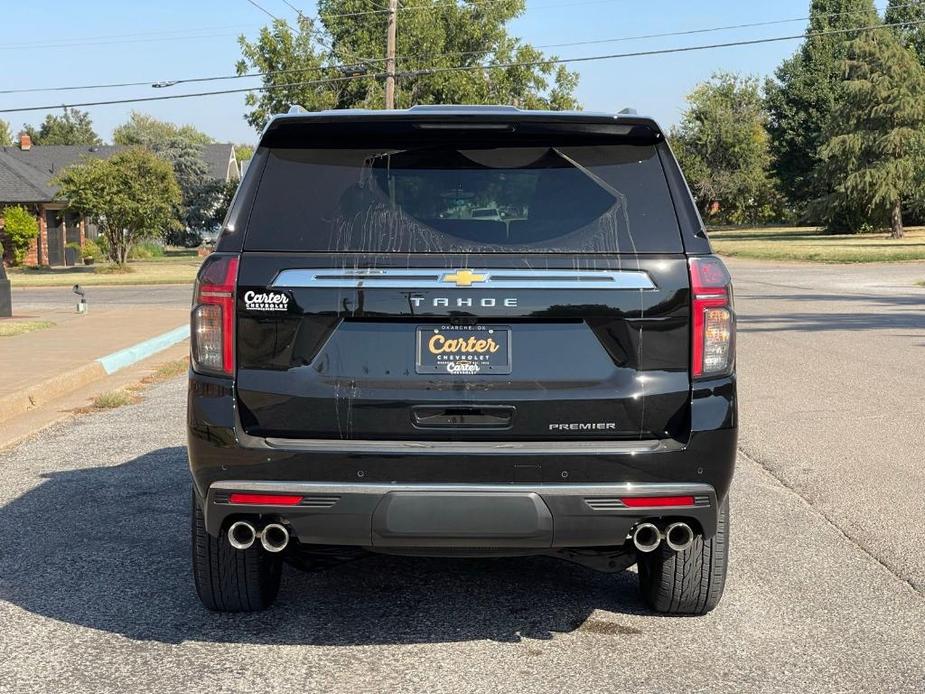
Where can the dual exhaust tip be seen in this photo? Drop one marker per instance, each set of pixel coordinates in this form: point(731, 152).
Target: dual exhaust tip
point(274, 537)
point(648, 536)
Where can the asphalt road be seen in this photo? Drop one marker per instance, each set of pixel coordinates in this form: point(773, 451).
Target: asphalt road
point(32, 298)
point(826, 587)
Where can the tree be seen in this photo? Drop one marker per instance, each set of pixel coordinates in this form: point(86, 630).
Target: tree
point(192, 175)
point(722, 145)
point(801, 99)
point(243, 152)
point(208, 207)
point(347, 47)
point(72, 128)
point(20, 226)
point(148, 131)
point(181, 146)
point(876, 150)
point(133, 195)
point(6, 135)
point(912, 36)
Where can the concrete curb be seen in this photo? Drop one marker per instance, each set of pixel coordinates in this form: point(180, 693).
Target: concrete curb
point(42, 393)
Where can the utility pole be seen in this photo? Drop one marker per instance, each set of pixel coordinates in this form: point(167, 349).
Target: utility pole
point(390, 56)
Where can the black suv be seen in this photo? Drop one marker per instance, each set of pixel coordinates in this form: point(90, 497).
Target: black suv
point(462, 331)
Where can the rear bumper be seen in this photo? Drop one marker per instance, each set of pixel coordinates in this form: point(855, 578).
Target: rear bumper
point(384, 489)
point(472, 516)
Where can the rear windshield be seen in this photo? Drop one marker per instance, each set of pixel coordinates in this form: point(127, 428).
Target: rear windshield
point(451, 198)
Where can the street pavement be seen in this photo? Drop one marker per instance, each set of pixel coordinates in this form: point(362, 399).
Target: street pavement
point(53, 298)
point(832, 384)
point(825, 594)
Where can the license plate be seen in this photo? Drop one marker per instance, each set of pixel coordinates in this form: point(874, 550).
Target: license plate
point(463, 350)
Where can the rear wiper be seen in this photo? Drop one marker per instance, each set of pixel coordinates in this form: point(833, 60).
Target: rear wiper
point(590, 174)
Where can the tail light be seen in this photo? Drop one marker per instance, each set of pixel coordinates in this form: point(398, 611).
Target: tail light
point(713, 319)
point(212, 323)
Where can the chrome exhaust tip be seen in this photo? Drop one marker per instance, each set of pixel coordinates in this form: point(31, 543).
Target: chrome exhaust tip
point(679, 536)
point(241, 535)
point(274, 537)
point(647, 537)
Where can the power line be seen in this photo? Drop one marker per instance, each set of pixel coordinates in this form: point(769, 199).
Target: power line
point(319, 36)
point(591, 42)
point(122, 37)
point(492, 66)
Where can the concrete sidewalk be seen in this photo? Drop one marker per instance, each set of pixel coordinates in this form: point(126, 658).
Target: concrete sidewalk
point(38, 367)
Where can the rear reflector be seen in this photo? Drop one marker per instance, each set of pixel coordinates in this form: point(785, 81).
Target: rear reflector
point(656, 501)
point(265, 499)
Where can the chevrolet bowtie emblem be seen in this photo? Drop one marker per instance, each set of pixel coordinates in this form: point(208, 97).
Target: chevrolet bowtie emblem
point(464, 278)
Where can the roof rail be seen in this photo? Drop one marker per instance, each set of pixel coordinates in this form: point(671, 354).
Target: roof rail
point(628, 111)
point(295, 108)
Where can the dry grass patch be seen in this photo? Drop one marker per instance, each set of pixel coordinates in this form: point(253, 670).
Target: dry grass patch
point(112, 400)
point(131, 394)
point(811, 244)
point(11, 328)
point(174, 269)
point(166, 371)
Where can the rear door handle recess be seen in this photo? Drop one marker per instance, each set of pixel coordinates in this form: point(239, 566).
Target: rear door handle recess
point(486, 417)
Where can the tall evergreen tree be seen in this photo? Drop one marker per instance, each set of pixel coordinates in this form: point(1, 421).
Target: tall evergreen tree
point(805, 92)
point(876, 152)
point(912, 35)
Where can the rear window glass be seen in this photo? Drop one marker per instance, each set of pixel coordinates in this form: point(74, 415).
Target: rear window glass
point(445, 198)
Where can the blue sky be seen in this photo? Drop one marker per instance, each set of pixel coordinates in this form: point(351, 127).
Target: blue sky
point(73, 43)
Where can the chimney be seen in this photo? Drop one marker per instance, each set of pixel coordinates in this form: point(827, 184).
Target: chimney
point(25, 142)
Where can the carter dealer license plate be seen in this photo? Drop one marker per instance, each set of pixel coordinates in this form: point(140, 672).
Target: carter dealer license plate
point(463, 350)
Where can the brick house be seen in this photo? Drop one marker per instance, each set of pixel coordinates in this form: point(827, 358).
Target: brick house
point(26, 171)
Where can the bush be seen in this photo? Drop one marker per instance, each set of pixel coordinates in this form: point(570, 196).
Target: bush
point(91, 249)
point(145, 250)
point(20, 227)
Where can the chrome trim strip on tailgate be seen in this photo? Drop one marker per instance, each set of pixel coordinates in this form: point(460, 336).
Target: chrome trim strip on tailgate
point(345, 278)
point(477, 447)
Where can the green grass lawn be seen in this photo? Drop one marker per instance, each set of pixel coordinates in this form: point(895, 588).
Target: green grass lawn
point(175, 267)
point(805, 243)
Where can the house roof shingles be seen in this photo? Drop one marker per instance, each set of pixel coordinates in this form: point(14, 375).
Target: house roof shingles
point(25, 175)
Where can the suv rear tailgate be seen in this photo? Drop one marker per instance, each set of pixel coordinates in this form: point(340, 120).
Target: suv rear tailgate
point(584, 363)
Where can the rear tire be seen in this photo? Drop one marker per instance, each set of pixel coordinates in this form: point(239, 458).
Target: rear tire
point(228, 579)
point(689, 582)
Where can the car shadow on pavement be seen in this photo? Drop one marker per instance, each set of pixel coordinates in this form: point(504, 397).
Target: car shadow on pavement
point(108, 548)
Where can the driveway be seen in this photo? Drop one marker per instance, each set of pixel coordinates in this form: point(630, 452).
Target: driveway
point(825, 593)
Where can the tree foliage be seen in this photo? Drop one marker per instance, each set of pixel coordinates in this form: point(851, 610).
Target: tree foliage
point(911, 36)
point(133, 195)
point(349, 48)
point(148, 131)
point(876, 151)
point(722, 145)
point(804, 95)
point(19, 226)
point(74, 127)
point(243, 152)
point(6, 135)
point(181, 146)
